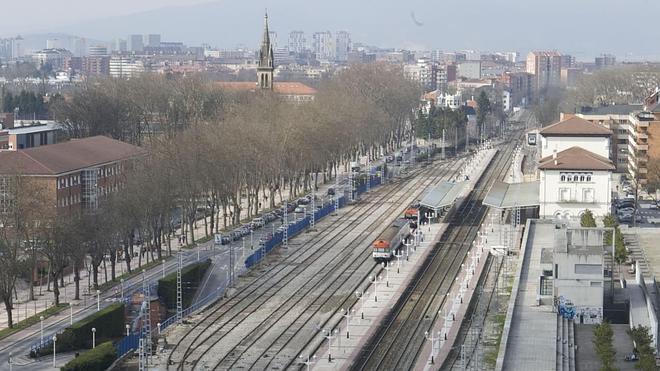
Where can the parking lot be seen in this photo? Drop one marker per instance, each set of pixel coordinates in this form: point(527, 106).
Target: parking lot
point(646, 212)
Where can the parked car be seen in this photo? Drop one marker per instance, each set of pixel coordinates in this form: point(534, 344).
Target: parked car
point(303, 201)
point(258, 223)
point(625, 210)
point(331, 191)
point(299, 209)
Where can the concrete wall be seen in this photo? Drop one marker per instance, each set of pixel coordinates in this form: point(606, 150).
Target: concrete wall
point(551, 185)
point(597, 145)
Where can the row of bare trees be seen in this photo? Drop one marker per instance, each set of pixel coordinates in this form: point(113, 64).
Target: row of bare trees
point(214, 157)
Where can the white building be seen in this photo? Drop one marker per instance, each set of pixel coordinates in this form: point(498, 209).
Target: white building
point(343, 46)
point(297, 42)
point(506, 100)
point(574, 132)
point(125, 67)
point(578, 280)
point(324, 46)
point(572, 181)
point(423, 72)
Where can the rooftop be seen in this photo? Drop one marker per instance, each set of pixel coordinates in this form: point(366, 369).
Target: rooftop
point(284, 88)
point(509, 195)
point(575, 126)
point(37, 128)
point(576, 158)
point(76, 154)
point(615, 109)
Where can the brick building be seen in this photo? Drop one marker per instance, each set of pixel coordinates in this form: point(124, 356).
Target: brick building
point(76, 174)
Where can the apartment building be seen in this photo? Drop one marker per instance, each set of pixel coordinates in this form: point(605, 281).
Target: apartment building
point(644, 138)
point(615, 118)
point(546, 68)
point(76, 174)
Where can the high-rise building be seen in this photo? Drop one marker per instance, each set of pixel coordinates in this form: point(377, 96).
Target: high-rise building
point(273, 38)
point(151, 40)
point(79, 46)
point(297, 42)
point(470, 69)
point(343, 46)
point(546, 68)
point(54, 44)
point(119, 45)
point(134, 43)
point(324, 46)
point(605, 60)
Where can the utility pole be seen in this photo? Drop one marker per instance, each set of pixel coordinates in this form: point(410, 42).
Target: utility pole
point(312, 218)
point(285, 233)
point(443, 143)
point(179, 292)
point(146, 324)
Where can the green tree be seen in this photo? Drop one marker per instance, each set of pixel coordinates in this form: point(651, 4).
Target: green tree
point(620, 251)
point(484, 108)
point(587, 219)
point(603, 344)
point(641, 336)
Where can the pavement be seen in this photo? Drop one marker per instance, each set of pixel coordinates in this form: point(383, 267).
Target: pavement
point(530, 327)
point(586, 357)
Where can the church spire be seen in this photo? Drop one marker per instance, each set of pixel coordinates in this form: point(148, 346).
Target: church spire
point(266, 60)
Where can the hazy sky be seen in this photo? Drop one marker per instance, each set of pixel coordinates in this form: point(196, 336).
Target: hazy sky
point(581, 27)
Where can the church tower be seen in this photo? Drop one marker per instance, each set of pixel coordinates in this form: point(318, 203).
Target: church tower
point(265, 68)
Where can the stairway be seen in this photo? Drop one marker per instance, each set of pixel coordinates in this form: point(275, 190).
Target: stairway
point(565, 348)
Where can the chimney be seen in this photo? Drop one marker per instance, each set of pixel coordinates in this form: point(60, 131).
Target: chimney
point(554, 156)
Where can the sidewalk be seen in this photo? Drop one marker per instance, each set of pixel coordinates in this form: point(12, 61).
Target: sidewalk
point(44, 298)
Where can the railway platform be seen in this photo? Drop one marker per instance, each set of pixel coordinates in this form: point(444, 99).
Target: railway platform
point(353, 330)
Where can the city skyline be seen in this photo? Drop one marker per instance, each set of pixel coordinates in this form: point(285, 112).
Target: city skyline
point(407, 26)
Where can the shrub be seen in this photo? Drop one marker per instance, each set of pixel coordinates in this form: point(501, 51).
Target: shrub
point(191, 276)
point(109, 324)
point(97, 359)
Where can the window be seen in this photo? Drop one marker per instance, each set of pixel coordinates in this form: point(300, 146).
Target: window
point(563, 178)
point(588, 178)
point(588, 195)
point(582, 178)
point(564, 194)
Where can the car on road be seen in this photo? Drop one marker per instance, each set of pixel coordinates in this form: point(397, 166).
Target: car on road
point(331, 191)
point(303, 201)
point(299, 210)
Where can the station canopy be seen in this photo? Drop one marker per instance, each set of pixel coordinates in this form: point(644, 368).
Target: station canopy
point(511, 195)
point(443, 194)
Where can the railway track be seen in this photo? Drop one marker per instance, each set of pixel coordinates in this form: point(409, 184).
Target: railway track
point(213, 341)
point(398, 340)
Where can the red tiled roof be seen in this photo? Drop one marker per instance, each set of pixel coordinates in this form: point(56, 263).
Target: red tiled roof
point(576, 158)
point(575, 126)
point(284, 88)
point(68, 156)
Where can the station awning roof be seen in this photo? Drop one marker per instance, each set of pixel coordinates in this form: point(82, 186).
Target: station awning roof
point(443, 194)
point(510, 195)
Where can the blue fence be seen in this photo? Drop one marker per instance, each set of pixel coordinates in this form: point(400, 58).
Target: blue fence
point(127, 344)
point(131, 342)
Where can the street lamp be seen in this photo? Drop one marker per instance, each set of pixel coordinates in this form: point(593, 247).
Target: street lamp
point(54, 350)
point(128, 329)
point(41, 319)
point(98, 300)
point(387, 269)
point(360, 296)
point(11, 361)
point(310, 361)
point(347, 314)
point(432, 339)
point(93, 337)
point(121, 282)
point(163, 268)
